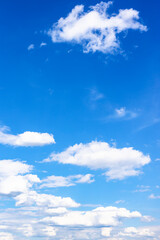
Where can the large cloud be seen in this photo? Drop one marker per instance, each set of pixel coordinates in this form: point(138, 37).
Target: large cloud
point(119, 162)
point(95, 29)
point(109, 216)
point(26, 139)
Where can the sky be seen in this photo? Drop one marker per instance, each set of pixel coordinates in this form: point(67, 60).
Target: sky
point(79, 120)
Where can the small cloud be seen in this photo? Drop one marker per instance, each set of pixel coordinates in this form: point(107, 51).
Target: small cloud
point(142, 188)
point(123, 113)
point(119, 201)
point(95, 95)
point(43, 44)
point(30, 47)
point(152, 196)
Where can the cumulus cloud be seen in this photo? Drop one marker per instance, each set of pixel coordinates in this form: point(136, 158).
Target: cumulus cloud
point(119, 162)
point(44, 200)
point(109, 216)
point(26, 139)
point(95, 30)
point(137, 232)
point(12, 178)
point(60, 181)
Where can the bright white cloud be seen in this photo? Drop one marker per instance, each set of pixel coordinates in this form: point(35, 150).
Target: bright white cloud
point(109, 216)
point(60, 181)
point(44, 200)
point(12, 178)
point(30, 47)
point(95, 29)
point(119, 162)
point(137, 232)
point(26, 139)
point(106, 232)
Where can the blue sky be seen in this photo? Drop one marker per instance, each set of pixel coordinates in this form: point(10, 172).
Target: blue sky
point(80, 120)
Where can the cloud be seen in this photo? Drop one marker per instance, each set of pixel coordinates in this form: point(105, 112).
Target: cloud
point(137, 232)
point(152, 196)
point(6, 236)
point(30, 47)
point(95, 29)
point(44, 200)
point(106, 232)
point(142, 188)
point(12, 178)
point(26, 139)
point(43, 44)
point(123, 113)
point(109, 216)
point(60, 181)
point(119, 162)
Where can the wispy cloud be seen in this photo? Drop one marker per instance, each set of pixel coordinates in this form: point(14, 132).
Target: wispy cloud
point(122, 114)
point(60, 181)
point(95, 29)
point(30, 47)
point(152, 196)
point(43, 44)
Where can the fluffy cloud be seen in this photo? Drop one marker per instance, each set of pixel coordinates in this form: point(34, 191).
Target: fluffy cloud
point(12, 178)
point(95, 29)
point(136, 233)
point(60, 181)
point(6, 236)
point(109, 216)
point(44, 200)
point(119, 162)
point(26, 139)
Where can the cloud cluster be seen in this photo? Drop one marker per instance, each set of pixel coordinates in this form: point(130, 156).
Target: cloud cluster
point(95, 29)
point(26, 139)
point(14, 177)
point(99, 217)
point(119, 162)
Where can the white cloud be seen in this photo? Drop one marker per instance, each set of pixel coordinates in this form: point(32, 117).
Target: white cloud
point(60, 181)
point(106, 232)
point(102, 216)
point(119, 162)
point(123, 113)
point(137, 232)
point(142, 188)
point(152, 196)
point(30, 47)
point(95, 29)
point(43, 44)
point(26, 139)
point(12, 178)
point(6, 236)
point(44, 200)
